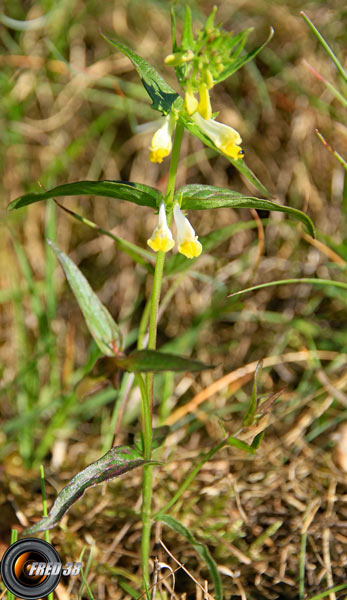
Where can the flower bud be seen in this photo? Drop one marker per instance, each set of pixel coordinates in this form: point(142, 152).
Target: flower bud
point(204, 106)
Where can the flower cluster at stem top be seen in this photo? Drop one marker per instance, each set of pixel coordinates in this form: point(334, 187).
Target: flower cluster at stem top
point(161, 238)
point(199, 63)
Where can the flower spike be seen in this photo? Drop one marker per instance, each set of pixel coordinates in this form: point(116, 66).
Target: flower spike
point(161, 238)
point(226, 138)
point(161, 144)
point(188, 243)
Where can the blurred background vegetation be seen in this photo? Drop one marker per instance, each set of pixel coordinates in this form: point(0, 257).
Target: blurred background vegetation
point(72, 109)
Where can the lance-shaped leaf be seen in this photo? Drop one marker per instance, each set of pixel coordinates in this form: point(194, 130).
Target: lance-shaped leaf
point(138, 193)
point(115, 462)
point(162, 95)
point(101, 325)
point(236, 63)
point(142, 361)
point(200, 548)
point(200, 197)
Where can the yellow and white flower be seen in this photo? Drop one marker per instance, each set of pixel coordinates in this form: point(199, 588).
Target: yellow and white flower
point(226, 138)
point(161, 238)
point(188, 243)
point(161, 144)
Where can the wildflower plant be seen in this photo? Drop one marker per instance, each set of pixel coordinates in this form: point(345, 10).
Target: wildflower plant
point(201, 61)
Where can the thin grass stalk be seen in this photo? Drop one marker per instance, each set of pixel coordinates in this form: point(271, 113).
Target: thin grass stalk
point(44, 511)
point(14, 537)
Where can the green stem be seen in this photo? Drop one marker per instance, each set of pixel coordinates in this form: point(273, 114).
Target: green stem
point(189, 479)
point(147, 391)
point(143, 325)
point(146, 417)
point(44, 509)
point(174, 162)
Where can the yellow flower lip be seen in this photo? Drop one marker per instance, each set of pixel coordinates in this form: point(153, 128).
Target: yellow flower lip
point(161, 238)
point(224, 137)
point(188, 243)
point(191, 249)
point(161, 144)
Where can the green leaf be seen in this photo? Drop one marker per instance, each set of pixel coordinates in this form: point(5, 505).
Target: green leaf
point(138, 193)
point(326, 47)
point(249, 417)
point(236, 64)
point(101, 325)
point(239, 164)
point(200, 197)
point(142, 361)
point(187, 35)
point(161, 94)
point(116, 462)
point(257, 440)
point(237, 42)
point(240, 444)
point(200, 548)
point(159, 434)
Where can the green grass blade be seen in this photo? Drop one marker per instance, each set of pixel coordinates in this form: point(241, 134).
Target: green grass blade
point(44, 510)
point(14, 538)
point(326, 46)
point(337, 588)
point(200, 548)
point(313, 281)
point(336, 154)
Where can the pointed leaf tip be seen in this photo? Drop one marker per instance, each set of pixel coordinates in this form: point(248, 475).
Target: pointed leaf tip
point(116, 462)
point(101, 325)
point(144, 361)
point(161, 93)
